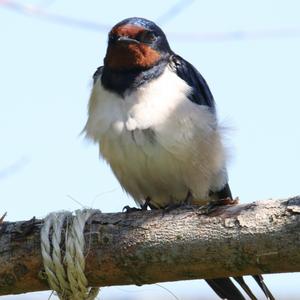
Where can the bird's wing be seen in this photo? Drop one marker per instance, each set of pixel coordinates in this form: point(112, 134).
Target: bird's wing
point(224, 193)
point(97, 74)
point(92, 102)
point(200, 93)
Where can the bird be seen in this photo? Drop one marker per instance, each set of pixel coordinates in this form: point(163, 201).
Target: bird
point(154, 118)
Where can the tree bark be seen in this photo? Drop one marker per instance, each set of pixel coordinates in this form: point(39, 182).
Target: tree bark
point(156, 246)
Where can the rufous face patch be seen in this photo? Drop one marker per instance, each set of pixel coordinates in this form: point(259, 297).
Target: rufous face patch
point(127, 30)
point(126, 56)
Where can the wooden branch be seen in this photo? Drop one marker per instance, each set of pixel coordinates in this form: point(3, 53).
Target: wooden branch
point(156, 246)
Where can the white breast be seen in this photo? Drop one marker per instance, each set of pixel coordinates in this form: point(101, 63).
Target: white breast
point(158, 143)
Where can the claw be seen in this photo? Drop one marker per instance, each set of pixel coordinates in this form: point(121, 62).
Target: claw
point(172, 206)
point(227, 201)
point(128, 209)
point(145, 206)
point(220, 202)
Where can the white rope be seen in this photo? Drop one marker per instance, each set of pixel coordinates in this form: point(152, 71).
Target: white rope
point(65, 268)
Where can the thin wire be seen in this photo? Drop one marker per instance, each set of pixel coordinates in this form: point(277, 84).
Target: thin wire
point(14, 167)
point(166, 289)
point(51, 294)
point(76, 201)
point(46, 3)
point(173, 11)
point(34, 10)
point(238, 35)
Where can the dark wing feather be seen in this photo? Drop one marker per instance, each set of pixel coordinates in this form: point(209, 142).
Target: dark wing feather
point(224, 193)
point(200, 93)
point(97, 74)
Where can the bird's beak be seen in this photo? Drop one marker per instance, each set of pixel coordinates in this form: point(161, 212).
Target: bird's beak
point(127, 40)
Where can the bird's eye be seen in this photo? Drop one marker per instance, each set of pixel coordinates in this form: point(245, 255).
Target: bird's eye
point(146, 37)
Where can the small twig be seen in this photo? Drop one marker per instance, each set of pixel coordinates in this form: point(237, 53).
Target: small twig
point(2, 218)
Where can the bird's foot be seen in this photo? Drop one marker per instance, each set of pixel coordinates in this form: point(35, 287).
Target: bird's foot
point(128, 209)
point(182, 205)
point(172, 207)
point(227, 201)
point(187, 203)
point(214, 204)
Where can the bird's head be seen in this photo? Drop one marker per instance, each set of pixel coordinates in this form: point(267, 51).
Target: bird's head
point(136, 44)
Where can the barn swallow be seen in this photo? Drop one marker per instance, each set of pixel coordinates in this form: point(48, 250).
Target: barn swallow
point(154, 118)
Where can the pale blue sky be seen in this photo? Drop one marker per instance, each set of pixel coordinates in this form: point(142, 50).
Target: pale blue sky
point(45, 76)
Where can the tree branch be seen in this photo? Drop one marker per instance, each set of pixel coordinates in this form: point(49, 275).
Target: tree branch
point(155, 246)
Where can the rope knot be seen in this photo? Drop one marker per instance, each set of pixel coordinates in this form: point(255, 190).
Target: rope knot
point(65, 267)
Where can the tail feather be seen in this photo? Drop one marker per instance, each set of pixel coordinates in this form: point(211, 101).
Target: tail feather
point(225, 289)
point(244, 285)
point(260, 281)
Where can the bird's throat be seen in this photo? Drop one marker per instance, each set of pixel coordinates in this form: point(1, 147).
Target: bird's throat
point(127, 57)
point(119, 81)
